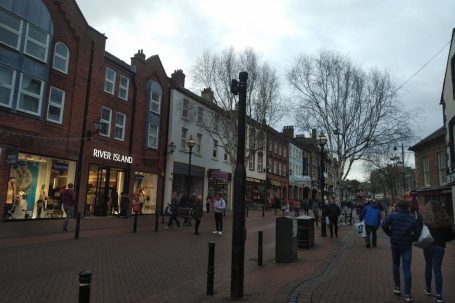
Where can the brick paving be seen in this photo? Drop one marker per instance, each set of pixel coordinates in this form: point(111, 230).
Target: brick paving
point(41, 264)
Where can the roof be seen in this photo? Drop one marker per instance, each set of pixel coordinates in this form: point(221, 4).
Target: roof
point(117, 61)
point(438, 134)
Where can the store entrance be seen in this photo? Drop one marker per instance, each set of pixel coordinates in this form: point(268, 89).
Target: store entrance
point(104, 187)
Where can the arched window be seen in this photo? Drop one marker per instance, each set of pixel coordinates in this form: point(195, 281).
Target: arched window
point(61, 57)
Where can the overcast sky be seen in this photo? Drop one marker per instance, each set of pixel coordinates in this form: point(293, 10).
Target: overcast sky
point(393, 35)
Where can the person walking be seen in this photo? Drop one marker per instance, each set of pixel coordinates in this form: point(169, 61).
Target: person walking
point(372, 216)
point(402, 228)
point(208, 202)
point(124, 205)
point(315, 210)
point(218, 207)
point(333, 211)
point(68, 200)
point(437, 219)
point(196, 212)
point(173, 210)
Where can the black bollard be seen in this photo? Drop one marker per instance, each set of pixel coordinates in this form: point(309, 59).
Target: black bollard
point(135, 222)
point(323, 227)
point(78, 225)
point(247, 211)
point(260, 248)
point(211, 268)
point(85, 277)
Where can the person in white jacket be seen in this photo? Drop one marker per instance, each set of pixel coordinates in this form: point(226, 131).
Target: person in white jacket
point(219, 205)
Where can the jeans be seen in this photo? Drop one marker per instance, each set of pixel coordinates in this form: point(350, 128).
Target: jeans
point(333, 222)
point(371, 230)
point(433, 260)
point(172, 218)
point(69, 215)
point(405, 253)
point(219, 221)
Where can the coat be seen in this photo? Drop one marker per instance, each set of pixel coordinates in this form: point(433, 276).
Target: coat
point(402, 228)
point(371, 215)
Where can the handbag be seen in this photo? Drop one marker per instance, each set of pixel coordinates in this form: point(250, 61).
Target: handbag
point(360, 229)
point(425, 238)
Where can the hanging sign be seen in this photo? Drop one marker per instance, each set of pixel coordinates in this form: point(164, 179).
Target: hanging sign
point(12, 155)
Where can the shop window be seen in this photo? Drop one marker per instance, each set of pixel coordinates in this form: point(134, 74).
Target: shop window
point(109, 81)
point(61, 57)
point(198, 143)
point(155, 97)
point(152, 140)
point(10, 29)
point(145, 191)
point(183, 136)
point(120, 120)
point(36, 43)
point(123, 88)
point(30, 95)
point(56, 105)
point(426, 171)
point(105, 121)
point(7, 77)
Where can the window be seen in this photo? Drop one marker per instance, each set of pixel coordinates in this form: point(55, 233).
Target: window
point(30, 95)
point(7, 77)
point(56, 105)
point(61, 57)
point(152, 140)
point(200, 115)
point(442, 165)
point(260, 159)
point(185, 108)
point(215, 149)
point(120, 120)
point(155, 97)
point(183, 138)
point(426, 171)
point(198, 143)
point(109, 81)
point(105, 121)
point(251, 162)
point(225, 156)
point(36, 43)
point(123, 88)
point(10, 29)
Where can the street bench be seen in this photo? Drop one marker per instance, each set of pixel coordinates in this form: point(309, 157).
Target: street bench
point(182, 212)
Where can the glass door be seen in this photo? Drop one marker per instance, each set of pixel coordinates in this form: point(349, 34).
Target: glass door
point(102, 191)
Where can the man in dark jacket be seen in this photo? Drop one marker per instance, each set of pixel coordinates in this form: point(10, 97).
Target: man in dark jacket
point(402, 228)
point(372, 216)
point(68, 200)
point(333, 212)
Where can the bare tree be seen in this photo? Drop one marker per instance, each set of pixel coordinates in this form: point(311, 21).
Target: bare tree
point(215, 71)
point(356, 109)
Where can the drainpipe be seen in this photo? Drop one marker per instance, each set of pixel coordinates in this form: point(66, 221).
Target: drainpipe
point(126, 185)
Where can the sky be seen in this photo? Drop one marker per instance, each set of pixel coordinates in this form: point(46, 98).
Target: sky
point(397, 36)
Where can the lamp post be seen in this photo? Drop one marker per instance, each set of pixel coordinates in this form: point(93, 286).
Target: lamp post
point(402, 163)
point(190, 143)
point(322, 140)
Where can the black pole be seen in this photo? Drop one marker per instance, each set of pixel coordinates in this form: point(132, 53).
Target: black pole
point(189, 173)
point(238, 226)
point(135, 222)
point(260, 248)
point(247, 208)
point(402, 160)
point(78, 225)
point(263, 206)
point(85, 277)
point(321, 177)
point(211, 268)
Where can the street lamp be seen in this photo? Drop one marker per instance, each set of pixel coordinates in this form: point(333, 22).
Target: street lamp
point(402, 162)
point(190, 143)
point(322, 140)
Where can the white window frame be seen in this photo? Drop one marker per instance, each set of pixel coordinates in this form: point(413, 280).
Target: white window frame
point(198, 142)
point(442, 166)
point(122, 88)
point(215, 150)
point(184, 133)
point(13, 31)
point(260, 167)
point(200, 115)
point(426, 171)
point(24, 92)
point(108, 122)
point(108, 79)
point(251, 162)
point(10, 87)
point(51, 103)
point(119, 126)
point(150, 136)
point(185, 108)
point(66, 58)
point(29, 39)
point(155, 102)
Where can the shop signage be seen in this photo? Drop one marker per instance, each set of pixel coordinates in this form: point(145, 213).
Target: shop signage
point(98, 153)
point(218, 175)
point(253, 180)
point(12, 155)
point(451, 178)
point(275, 183)
point(60, 166)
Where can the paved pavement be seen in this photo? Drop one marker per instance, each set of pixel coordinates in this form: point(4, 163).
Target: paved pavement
point(41, 264)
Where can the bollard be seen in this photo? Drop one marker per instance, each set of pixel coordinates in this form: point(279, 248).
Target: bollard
point(260, 248)
point(135, 222)
point(85, 277)
point(211, 268)
point(247, 211)
point(323, 227)
point(78, 225)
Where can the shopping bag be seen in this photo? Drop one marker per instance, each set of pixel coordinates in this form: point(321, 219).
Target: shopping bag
point(425, 238)
point(360, 229)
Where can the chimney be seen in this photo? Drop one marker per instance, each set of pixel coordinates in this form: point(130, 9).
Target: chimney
point(288, 131)
point(313, 133)
point(178, 77)
point(139, 55)
point(138, 60)
point(208, 95)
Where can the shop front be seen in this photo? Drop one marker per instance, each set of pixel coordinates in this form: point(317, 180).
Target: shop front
point(185, 183)
point(218, 183)
point(145, 191)
point(255, 191)
point(34, 186)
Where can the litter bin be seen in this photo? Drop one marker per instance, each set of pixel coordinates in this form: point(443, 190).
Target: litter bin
point(286, 240)
point(305, 234)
